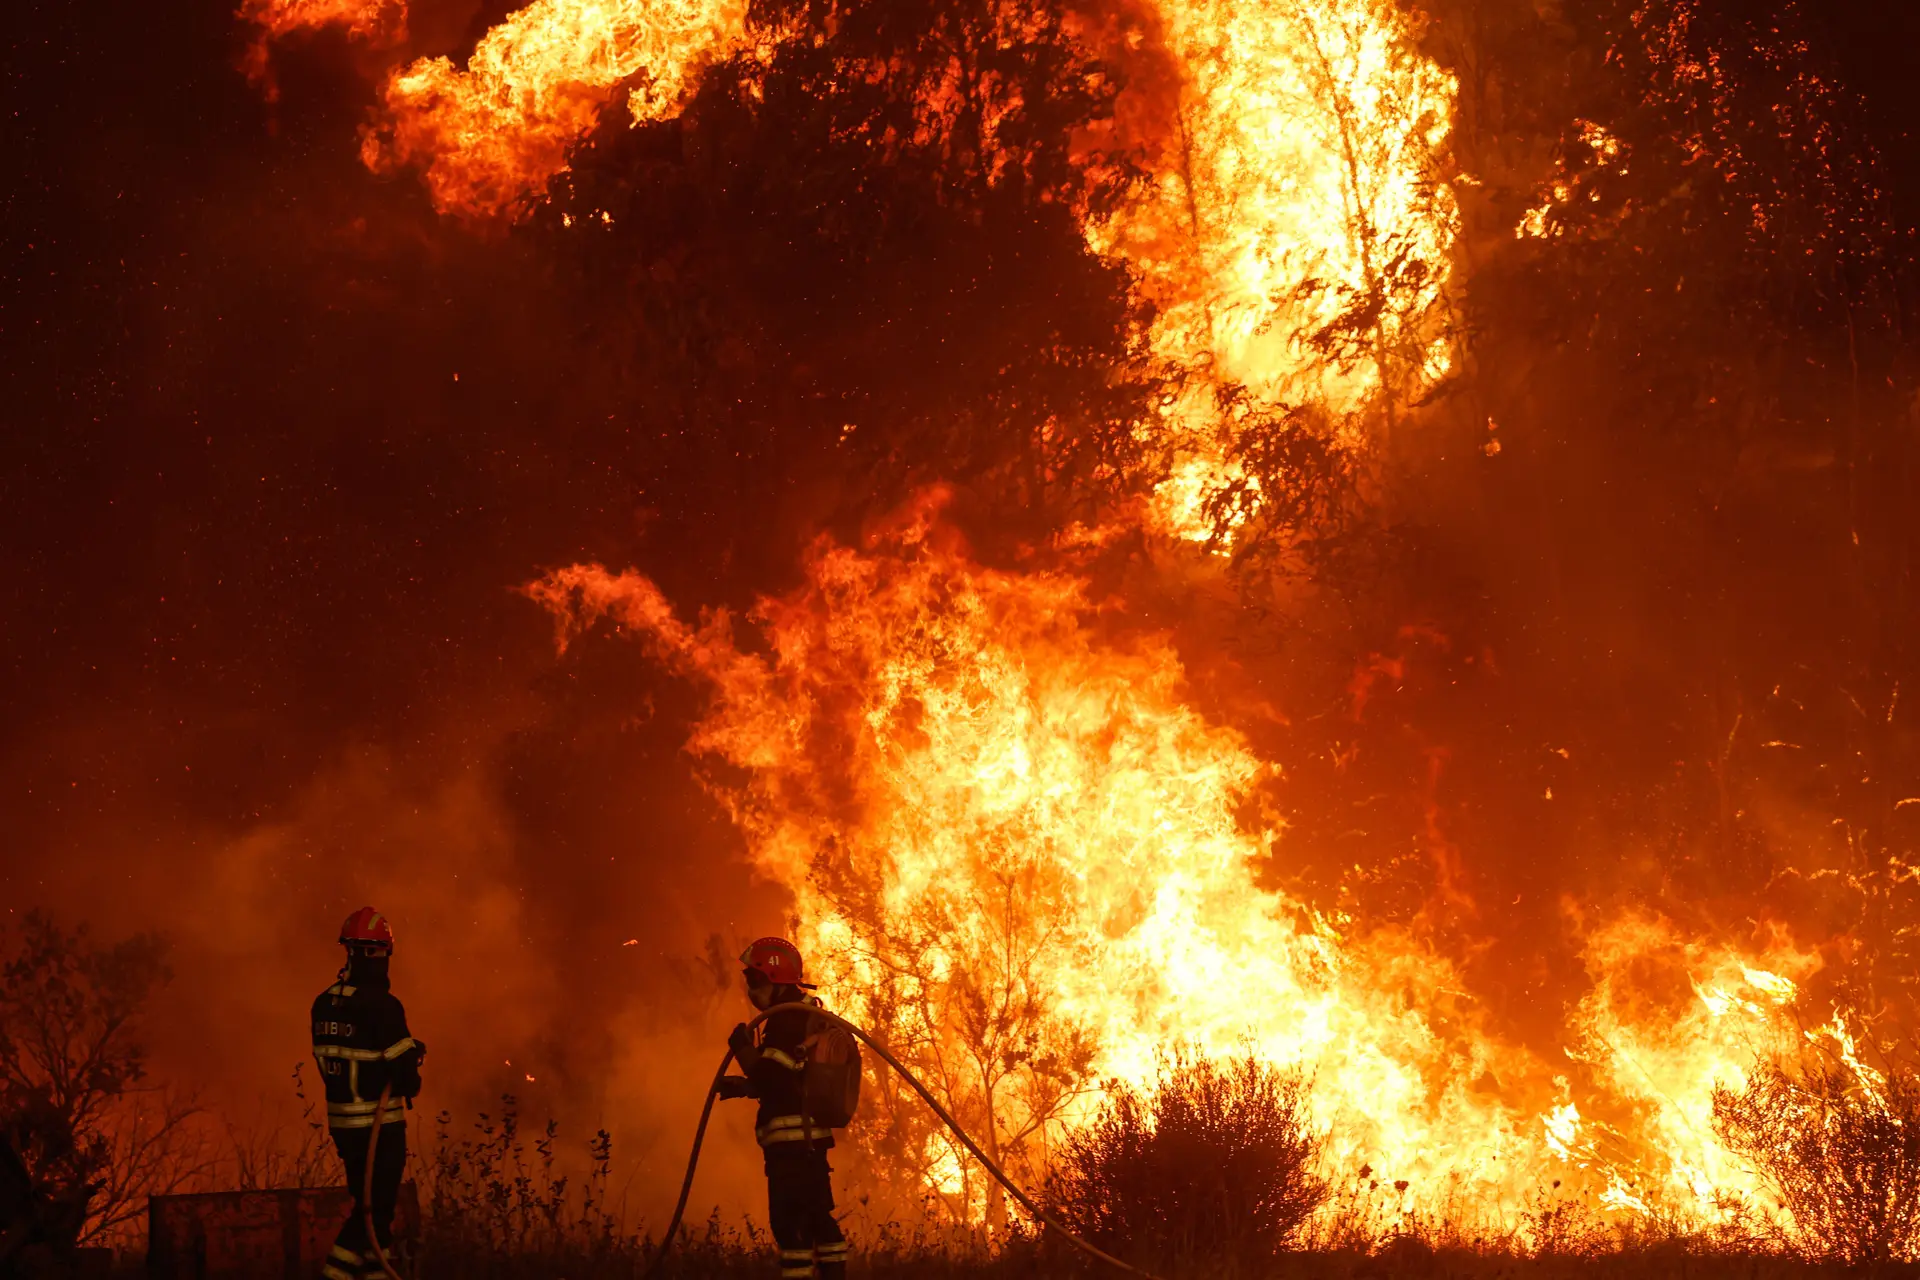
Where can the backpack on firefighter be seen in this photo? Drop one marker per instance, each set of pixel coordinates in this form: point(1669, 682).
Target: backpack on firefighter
point(825, 1054)
point(830, 1082)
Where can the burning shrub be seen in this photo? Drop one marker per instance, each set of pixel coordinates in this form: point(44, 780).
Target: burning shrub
point(1218, 1162)
point(1840, 1146)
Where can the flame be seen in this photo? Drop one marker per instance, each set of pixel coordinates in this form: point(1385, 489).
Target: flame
point(1296, 237)
point(1018, 854)
point(1562, 1125)
point(1666, 1021)
point(979, 800)
point(364, 19)
point(1180, 506)
point(379, 23)
point(1605, 155)
point(489, 137)
point(1302, 181)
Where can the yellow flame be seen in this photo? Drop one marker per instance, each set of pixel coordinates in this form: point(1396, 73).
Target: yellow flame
point(1010, 840)
point(1667, 1020)
point(1305, 161)
point(1562, 1125)
point(967, 792)
point(1297, 237)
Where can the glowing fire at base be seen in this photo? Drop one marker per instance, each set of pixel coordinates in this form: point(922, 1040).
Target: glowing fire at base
point(1013, 850)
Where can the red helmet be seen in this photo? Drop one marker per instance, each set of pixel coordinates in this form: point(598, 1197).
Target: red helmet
point(776, 960)
point(366, 928)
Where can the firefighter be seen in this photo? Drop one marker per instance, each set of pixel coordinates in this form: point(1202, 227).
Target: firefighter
point(362, 1045)
point(799, 1180)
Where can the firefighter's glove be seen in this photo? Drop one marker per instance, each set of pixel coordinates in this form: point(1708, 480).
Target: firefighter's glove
point(741, 1042)
point(736, 1087)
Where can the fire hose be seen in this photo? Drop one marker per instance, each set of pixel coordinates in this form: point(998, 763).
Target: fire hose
point(713, 1091)
point(366, 1186)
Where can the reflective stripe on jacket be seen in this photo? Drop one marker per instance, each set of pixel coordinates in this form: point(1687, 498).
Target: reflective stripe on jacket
point(778, 1073)
point(791, 1129)
point(361, 1043)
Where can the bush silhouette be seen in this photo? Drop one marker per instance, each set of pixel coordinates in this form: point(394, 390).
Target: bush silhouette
point(1840, 1148)
point(1218, 1163)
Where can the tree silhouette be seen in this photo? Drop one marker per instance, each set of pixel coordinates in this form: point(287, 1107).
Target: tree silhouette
point(856, 264)
point(72, 1064)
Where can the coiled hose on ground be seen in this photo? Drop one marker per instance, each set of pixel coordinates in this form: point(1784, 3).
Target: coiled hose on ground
point(713, 1091)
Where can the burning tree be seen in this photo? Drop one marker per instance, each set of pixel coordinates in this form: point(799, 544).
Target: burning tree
point(1301, 237)
point(960, 990)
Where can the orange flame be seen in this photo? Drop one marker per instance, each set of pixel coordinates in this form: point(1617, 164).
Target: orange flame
point(489, 137)
point(1010, 840)
point(377, 22)
point(362, 18)
point(1297, 237)
point(965, 788)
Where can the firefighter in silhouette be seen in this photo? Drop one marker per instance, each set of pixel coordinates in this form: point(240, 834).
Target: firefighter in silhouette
point(363, 1048)
point(799, 1180)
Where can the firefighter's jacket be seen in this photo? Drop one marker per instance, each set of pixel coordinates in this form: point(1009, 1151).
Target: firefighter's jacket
point(361, 1042)
point(776, 1077)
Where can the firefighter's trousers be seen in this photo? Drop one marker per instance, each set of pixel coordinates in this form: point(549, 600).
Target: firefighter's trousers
point(800, 1211)
point(353, 1256)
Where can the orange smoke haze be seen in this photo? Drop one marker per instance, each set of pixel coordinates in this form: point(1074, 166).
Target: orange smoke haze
point(514, 968)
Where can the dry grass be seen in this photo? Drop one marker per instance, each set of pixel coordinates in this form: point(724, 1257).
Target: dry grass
point(1209, 1176)
point(495, 1205)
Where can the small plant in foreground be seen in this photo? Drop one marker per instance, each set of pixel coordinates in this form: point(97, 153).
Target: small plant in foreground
point(1218, 1164)
point(495, 1193)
